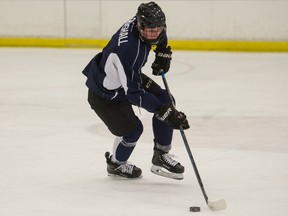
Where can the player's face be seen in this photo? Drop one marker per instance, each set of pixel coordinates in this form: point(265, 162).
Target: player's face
point(151, 33)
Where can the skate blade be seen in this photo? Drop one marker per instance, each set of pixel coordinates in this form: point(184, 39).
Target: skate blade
point(161, 172)
point(118, 177)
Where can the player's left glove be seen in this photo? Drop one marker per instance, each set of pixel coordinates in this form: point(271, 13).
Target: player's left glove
point(163, 56)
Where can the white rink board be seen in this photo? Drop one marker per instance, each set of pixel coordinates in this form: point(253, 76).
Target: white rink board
point(259, 20)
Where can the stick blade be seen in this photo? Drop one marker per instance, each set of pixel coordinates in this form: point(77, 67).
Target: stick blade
point(217, 205)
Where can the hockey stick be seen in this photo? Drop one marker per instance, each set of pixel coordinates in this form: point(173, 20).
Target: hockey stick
point(217, 205)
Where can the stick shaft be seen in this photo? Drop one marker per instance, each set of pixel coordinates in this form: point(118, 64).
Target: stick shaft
point(186, 144)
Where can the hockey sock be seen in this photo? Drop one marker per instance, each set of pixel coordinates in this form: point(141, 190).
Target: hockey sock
point(163, 133)
point(124, 146)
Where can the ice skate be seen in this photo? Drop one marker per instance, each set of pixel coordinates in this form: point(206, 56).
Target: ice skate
point(127, 170)
point(165, 165)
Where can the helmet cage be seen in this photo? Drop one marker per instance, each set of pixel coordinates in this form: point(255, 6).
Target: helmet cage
point(150, 35)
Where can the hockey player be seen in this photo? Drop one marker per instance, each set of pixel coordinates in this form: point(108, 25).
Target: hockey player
point(116, 82)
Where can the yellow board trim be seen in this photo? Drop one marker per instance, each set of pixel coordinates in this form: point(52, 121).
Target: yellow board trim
point(52, 42)
point(253, 46)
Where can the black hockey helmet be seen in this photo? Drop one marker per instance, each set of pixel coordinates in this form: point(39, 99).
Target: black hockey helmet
point(150, 15)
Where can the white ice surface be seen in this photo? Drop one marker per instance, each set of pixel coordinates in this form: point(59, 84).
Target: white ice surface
point(52, 145)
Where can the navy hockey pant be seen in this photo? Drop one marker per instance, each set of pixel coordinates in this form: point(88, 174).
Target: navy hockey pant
point(122, 122)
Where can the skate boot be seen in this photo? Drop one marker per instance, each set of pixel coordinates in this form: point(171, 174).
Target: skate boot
point(126, 170)
point(165, 165)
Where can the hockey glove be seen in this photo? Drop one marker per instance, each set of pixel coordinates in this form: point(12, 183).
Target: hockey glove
point(172, 117)
point(163, 56)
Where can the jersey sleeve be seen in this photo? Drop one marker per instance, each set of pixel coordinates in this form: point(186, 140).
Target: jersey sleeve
point(130, 76)
point(163, 42)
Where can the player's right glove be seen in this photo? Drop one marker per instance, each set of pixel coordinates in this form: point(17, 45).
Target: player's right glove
point(163, 56)
point(172, 117)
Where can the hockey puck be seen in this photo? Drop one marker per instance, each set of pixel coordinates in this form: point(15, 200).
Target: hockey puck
point(195, 209)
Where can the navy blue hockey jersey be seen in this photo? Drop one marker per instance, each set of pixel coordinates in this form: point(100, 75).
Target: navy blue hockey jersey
point(115, 73)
